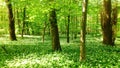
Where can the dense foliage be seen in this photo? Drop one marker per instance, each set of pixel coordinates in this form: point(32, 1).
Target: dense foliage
point(37, 15)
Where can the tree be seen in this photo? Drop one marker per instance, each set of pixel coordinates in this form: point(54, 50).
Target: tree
point(106, 23)
point(18, 20)
point(54, 31)
point(24, 22)
point(83, 30)
point(54, 28)
point(67, 31)
point(44, 28)
point(75, 24)
point(11, 20)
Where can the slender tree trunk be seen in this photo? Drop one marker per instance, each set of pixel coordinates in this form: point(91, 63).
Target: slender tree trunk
point(23, 26)
point(65, 33)
point(54, 31)
point(73, 27)
point(75, 32)
point(18, 21)
point(83, 30)
point(27, 28)
point(44, 28)
point(68, 37)
point(11, 20)
point(106, 23)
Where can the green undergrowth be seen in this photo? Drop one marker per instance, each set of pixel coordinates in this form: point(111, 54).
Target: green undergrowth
point(32, 53)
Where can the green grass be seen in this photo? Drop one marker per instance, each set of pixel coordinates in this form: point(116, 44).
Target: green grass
point(32, 53)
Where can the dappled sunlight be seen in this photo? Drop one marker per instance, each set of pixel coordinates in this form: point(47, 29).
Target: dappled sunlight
point(47, 34)
point(117, 41)
point(29, 40)
point(31, 53)
point(48, 60)
point(2, 3)
point(18, 61)
point(4, 41)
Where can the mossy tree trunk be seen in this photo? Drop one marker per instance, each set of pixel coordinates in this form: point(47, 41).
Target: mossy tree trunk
point(83, 30)
point(54, 31)
point(106, 23)
point(11, 21)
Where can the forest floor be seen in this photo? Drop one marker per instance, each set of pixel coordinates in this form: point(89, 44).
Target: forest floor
point(31, 52)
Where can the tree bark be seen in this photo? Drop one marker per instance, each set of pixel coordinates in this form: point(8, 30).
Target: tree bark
point(106, 23)
point(11, 21)
point(18, 21)
point(75, 32)
point(83, 30)
point(68, 37)
point(54, 31)
point(24, 17)
point(114, 22)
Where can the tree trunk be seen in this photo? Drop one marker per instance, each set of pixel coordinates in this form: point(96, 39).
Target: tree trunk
point(83, 30)
point(106, 23)
point(68, 37)
point(18, 21)
point(75, 32)
point(11, 21)
point(23, 26)
point(27, 28)
point(54, 31)
point(114, 22)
